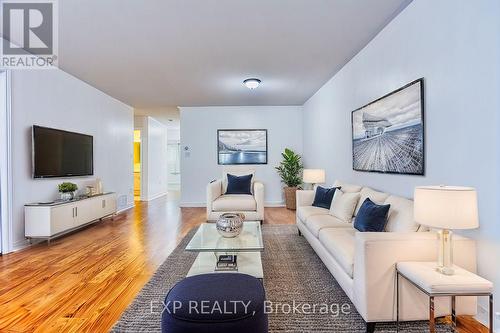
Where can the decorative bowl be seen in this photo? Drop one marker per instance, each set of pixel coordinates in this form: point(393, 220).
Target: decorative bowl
point(67, 196)
point(229, 225)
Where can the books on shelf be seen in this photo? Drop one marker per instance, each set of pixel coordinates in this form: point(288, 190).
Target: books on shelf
point(227, 262)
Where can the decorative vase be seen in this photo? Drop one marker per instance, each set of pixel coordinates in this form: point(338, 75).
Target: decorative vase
point(66, 196)
point(229, 225)
point(290, 197)
point(98, 186)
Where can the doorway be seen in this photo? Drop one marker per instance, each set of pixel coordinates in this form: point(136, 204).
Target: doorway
point(174, 165)
point(137, 165)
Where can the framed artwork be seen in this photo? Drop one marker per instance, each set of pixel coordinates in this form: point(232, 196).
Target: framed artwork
point(242, 146)
point(388, 133)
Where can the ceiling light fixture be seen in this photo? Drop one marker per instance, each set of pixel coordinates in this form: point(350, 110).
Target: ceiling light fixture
point(252, 83)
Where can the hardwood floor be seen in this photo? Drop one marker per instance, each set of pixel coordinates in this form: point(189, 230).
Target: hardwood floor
point(84, 281)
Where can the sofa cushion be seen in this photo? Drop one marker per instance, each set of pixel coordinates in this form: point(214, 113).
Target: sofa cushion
point(371, 217)
point(323, 197)
point(400, 217)
point(343, 205)
point(375, 196)
point(317, 222)
point(304, 212)
point(234, 202)
point(347, 188)
point(239, 184)
point(340, 243)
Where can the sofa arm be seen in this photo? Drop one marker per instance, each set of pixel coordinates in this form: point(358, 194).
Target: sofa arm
point(214, 190)
point(258, 192)
point(305, 198)
point(376, 255)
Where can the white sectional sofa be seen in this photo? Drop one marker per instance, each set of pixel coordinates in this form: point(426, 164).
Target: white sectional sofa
point(363, 263)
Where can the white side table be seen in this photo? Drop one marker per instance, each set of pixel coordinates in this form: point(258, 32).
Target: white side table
point(424, 276)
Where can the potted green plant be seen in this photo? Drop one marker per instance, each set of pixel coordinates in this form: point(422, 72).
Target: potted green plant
point(67, 190)
point(290, 171)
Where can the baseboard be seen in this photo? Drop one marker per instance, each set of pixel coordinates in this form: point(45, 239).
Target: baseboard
point(483, 317)
point(121, 210)
point(20, 244)
point(274, 204)
point(156, 196)
point(203, 204)
point(192, 204)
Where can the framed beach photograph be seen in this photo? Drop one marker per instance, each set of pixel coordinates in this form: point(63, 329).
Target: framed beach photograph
point(388, 133)
point(242, 146)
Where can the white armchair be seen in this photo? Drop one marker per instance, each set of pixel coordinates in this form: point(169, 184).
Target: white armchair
point(218, 203)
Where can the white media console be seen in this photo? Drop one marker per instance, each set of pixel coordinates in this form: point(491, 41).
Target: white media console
point(50, 220)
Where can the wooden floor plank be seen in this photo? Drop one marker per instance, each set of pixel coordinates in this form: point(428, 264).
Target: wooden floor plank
point(84, 281)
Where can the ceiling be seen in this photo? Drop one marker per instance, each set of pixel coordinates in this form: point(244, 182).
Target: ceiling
point(168, 116)
point(157, 53)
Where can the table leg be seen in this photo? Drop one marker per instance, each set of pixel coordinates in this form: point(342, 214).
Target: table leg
point(453, 314)
point(216, 259)
point(397, 301)
point(432, 321)
point(491, 313)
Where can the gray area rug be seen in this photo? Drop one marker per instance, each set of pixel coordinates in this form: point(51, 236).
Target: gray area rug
point(292, 271)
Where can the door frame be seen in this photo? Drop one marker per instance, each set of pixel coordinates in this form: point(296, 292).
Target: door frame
point(178, 158)
point(142, 197)
point(6, 167)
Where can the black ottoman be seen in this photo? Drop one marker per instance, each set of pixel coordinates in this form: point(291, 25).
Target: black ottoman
point(215, 303)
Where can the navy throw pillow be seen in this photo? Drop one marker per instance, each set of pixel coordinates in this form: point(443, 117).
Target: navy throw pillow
point(371, 217)
point(323, 197)
point(239, 184)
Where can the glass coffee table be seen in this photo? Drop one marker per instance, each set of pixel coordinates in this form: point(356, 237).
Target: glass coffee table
point(247, 247)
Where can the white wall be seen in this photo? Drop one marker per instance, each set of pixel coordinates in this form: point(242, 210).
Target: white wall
point(154, 171)
point(157, 159)
point(56, 99)
point(174, 134)
point(168, 116)
point(199, 132)
point(455, 46)
point(5, 180)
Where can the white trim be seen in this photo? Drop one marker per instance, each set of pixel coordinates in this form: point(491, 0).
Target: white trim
point(203, 204)
point(482, 316)
point(121, 210)
point(6, 170)
point(21, 244)
point(192, 204)
point(143, 172)
point(157, 196)
point(274, 204)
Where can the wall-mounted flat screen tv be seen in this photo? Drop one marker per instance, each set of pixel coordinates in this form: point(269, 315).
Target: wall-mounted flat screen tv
point(58, 153)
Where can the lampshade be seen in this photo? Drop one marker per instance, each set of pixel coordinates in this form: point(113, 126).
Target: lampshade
point(314, 176)
point(446, 207)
